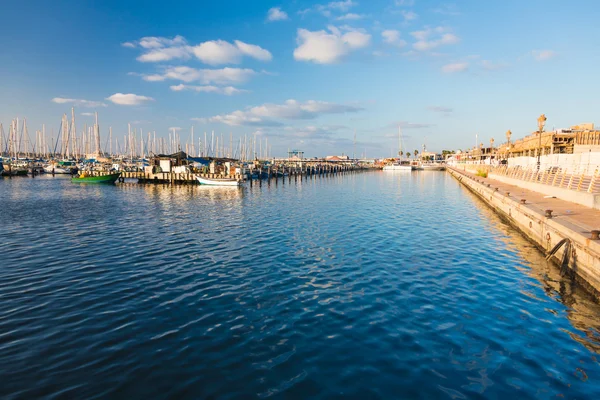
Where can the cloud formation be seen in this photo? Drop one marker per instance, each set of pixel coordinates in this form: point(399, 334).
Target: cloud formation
point(350, 17)
point(268, 114)
point(129, 99)
point(222, 76)
point(327, 9)
point(392, 36)
point(78, 102)
point(212, 52)
point(228, 90)
point(275, 14)
point(431, 38)
point(324, 47)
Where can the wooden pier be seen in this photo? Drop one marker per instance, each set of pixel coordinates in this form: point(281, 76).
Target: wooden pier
point(277, 173)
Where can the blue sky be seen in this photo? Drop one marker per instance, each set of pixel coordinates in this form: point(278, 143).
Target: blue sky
point(305, 74)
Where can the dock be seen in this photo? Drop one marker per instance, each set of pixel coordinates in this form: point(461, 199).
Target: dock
point(276, 174)
point(567, 232)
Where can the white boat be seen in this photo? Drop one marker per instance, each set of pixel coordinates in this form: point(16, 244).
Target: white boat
point(218, 181)
point(399, 166)
point(61, 167)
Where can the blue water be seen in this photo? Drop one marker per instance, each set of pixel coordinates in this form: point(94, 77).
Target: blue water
point(371, 285)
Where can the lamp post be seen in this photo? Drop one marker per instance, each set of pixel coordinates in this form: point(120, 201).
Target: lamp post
point(508, 135)
point(541, 122)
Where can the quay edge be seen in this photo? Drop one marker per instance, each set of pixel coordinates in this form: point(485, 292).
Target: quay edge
point(583, 262)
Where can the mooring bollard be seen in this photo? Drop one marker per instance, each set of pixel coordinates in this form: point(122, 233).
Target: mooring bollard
point(507, 194)
point(523, 201)
point(495, 190)
point(595, 234)
point(549, 213)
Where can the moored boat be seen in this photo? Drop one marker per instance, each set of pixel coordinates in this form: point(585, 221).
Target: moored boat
point(85, 178)
point(398, 166)
point(61, 167)
point(218, 181)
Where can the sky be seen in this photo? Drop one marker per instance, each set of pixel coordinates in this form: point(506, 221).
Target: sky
point(307, 75)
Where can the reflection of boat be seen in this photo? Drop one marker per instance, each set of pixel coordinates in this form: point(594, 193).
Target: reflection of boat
point(218, 181)
point(399, 166)
point(61, 167)
point(85, 178)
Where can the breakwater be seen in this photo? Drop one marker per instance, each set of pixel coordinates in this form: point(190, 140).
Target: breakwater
point(570, 242)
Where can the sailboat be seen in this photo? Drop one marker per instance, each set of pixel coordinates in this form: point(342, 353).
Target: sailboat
point(400, 165)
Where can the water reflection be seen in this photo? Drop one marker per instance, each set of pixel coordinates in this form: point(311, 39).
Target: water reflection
point(582, 310)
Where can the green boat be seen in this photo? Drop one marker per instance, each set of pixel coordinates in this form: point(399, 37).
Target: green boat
point(110, 178)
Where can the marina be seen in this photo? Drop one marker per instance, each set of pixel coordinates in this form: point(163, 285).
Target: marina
point(338, 199)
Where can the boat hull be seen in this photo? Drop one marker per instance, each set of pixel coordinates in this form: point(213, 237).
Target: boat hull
point(106, 179)
point(57, 170)
point(397, 168)
point(218, 182)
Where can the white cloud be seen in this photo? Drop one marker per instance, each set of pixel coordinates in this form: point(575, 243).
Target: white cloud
point(217, 52)
point(128, 44)
point(212, 52)
point(327, 9)
point(165, 54)
point(543, 55)
point(228, 90)
point(78, 102)
point(154, 78)
point(129, 99)
point(455, 67)
point(268, 114)
point(323, 47)
point(409, 15)
point(223, 76)
point(430, 38)
point(87, 114)
point(350, 17)
point(275, 14)
point(254, 51)
point(343, 5)
point(200, 120)
point(153, 42)
point(392, 36)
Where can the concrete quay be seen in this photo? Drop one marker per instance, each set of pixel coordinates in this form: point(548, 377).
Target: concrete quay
point(567, 232)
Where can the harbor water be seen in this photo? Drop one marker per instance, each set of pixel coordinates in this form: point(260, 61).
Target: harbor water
point(366, 285)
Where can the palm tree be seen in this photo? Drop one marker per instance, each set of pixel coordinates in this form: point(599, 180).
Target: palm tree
point(416, 153)
point(401, 153)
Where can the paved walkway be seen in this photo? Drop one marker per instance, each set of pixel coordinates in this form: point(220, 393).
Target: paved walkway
point(579, 218)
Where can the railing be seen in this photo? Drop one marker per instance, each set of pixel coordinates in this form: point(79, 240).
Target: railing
point(578, 180)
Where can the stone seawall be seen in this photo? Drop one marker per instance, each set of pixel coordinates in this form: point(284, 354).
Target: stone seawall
point(581, 259)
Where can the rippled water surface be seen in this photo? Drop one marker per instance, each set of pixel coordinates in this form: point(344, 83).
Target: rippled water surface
point(372, 285)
